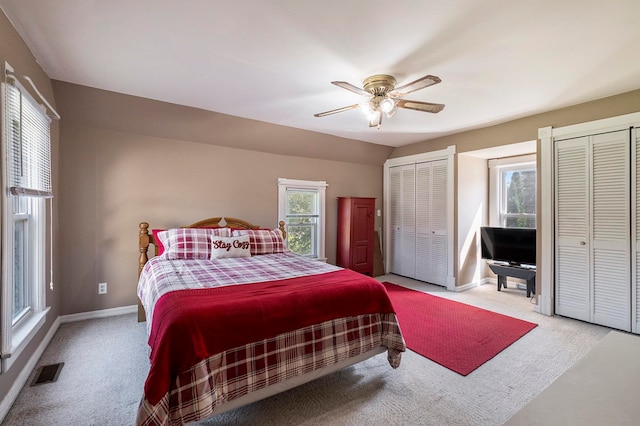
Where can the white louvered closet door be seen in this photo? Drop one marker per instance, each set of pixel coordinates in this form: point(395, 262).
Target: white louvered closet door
point(395, 218)
point(408, 220)
point(408, 243)
point(402, 221)
point(423, 222)
point(439, 223)
point(572, 277)
point(611, 244)
point(593, 229)
point(431, 222)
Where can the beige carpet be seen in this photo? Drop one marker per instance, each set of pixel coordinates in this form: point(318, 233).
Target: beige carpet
point(106, 364)
point(600, 389)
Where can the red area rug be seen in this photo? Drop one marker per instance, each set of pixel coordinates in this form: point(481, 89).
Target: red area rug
point(457, 336)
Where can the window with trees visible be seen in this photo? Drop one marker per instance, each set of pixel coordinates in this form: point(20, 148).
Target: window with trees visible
point(26, 153)
point(513, 192)
point(301, 207)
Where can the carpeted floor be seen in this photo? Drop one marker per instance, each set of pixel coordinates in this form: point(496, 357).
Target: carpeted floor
point(600, 389)
point(106, 365)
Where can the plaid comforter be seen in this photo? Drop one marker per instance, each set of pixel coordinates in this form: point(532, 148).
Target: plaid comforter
point(199, 391)
point(161, 276)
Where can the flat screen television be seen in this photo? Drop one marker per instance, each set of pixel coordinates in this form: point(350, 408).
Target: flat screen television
point(517, 246)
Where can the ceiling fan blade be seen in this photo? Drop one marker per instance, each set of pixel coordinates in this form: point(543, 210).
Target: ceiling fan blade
point(419, 106)
point(421, 83)
point(335, 111)
point(351, 88)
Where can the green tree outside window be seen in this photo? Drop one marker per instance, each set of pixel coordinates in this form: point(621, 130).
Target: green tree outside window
point(302, 220)
point(521, 199)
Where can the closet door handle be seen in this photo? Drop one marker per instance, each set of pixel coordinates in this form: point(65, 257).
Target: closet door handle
point(582, 243)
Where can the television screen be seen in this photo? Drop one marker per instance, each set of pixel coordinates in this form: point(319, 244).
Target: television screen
point(514, 245)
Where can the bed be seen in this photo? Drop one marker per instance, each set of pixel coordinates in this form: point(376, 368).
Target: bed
point(234, 317)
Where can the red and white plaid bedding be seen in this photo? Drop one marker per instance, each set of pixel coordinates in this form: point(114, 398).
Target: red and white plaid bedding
point(222, 377)
point(161, 275)
point(234, 373)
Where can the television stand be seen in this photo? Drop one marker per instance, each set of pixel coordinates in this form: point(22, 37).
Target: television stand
point(504, 271)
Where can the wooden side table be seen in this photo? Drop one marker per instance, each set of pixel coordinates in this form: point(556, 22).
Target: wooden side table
point(504, 271)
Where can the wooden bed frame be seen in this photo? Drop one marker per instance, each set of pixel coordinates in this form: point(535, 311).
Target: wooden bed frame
point(145, 238)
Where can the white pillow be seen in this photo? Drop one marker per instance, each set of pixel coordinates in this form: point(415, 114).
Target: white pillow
point(229, 247)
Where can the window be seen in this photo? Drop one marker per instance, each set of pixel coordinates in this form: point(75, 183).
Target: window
point(301, 205)
point(513, 192)
point(26, 153)
point(21, 299)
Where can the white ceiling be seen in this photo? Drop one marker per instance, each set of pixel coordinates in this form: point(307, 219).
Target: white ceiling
point(273, 61)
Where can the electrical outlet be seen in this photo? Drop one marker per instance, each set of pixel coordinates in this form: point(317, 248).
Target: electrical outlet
point(102, 288)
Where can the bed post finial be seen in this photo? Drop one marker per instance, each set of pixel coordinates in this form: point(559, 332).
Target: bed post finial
point(143, 246)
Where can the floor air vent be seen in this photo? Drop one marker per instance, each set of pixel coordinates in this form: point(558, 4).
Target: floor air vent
point(47, 374)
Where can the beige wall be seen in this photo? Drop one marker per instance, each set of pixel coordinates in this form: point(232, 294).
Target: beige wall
point(85, 107)
point(117, 171)
point(15, 52)
point(473, 204)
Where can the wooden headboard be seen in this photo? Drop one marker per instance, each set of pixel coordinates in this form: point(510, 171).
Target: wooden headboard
point(145, 238)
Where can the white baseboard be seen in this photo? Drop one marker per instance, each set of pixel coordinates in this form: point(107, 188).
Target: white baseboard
point(474, 284)
point(103, 313)
point(22, 378)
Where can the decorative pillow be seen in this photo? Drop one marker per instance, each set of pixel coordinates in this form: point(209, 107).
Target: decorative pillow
point(228, 247)
point(190, 243)
point(263, 241)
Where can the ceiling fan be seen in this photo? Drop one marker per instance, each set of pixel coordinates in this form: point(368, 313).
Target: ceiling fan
point(384, 97)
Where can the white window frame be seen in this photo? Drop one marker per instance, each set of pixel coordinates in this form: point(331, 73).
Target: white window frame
point(285, 184)
point(17, 332)
point(497, 193)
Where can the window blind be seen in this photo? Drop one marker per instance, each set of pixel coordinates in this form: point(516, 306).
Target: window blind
point(28, 144)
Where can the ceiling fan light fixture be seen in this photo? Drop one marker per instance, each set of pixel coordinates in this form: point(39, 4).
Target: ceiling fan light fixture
point(387, 105)
point(369, 109)
point(375, 119)
point(390, 113)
